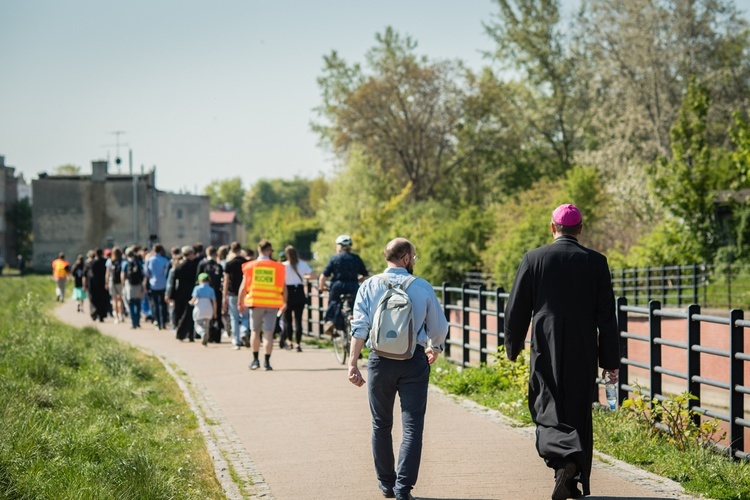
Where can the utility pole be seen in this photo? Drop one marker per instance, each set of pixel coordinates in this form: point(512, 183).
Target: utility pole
point(116, 145)
point(135, 199)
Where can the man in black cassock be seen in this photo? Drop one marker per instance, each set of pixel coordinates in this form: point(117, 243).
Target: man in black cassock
point(568, 289)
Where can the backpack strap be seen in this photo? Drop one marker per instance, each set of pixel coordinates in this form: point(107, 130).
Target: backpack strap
point(385, 280)
point(404, 285)
point(407, 282)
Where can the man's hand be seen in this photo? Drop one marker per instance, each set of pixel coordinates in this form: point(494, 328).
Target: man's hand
point(241, 308)
point(282, 308)
point(611, 376)
point(431, 355)
point(225, 305)
point(355, 377)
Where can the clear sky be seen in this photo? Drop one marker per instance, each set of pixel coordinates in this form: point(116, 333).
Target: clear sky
point(204, 90)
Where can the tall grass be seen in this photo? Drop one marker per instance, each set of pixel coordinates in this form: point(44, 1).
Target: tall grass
point(84, 416)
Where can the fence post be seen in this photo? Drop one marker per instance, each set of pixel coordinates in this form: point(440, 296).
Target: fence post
point(622, 283)
point(309, 321)
point(320, 311)
point(648, 284)
point(500, 316)
point(622, 326)
point(635, 286)
point(679, 286)
point(693, 359)
point(695, 283)
point(664, 285)
point(482, 326)
point(465, 338)
point(654, 327)
point(736, 379)
point(446, 311)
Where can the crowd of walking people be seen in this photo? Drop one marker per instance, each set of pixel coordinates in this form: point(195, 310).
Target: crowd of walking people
point(563, 290)
point(198, 294)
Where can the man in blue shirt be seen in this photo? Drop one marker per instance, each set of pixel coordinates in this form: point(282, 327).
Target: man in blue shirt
point(157, 267)
point(388, 377)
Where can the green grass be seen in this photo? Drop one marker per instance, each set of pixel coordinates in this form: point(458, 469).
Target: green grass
point(488, 386)
point(698, 470)
point(86, 417)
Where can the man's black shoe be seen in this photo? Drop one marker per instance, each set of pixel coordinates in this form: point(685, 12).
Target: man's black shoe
point(564, 483)
point(386, 491)
point(408, 496)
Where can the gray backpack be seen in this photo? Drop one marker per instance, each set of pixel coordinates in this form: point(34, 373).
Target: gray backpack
point(392, 334)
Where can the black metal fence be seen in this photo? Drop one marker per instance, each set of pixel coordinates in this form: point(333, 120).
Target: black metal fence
point(476, 319)
point(734, 356)
point(719, 287)
point(725, 286)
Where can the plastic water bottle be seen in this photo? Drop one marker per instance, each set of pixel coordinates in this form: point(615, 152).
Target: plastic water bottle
point(610, 392)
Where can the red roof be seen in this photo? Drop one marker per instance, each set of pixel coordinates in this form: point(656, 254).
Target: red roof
point(222, 217)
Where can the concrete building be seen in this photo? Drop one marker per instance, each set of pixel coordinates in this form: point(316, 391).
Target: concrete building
point(76, 213)
point(226, 228)
point(8, 199)
point(183, 219)
point(24, 189)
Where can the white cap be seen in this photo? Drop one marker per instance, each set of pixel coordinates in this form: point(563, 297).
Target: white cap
point(344, 240)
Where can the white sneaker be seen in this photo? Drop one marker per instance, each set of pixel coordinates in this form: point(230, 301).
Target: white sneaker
point(117, 321)
point(236, 348)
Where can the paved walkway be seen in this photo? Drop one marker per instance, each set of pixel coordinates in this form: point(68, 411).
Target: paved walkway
point(302, 431)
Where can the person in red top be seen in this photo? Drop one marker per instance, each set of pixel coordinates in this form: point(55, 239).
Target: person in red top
point(263, 290)
point(60, 269)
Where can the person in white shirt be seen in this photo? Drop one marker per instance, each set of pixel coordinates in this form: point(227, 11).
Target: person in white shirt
point(297, 271)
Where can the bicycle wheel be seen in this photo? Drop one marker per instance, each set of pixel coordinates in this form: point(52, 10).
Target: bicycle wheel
point(339, 345)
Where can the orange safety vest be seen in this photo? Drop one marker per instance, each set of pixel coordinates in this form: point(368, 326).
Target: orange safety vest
point(265, 282)
point(59, 268)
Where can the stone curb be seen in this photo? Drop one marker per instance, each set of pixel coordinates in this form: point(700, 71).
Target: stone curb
point(222, 442)
point(652, 482)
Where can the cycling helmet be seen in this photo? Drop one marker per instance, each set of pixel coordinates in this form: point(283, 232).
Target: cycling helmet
point(344, 240)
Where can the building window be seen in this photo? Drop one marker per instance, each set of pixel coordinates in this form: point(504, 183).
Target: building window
point(179, 213)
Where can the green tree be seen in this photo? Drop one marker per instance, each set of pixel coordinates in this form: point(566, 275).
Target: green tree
point(522, 223)
point(686, 183)
point(282, 211)
point(267, 193)
point(20, 217)
point(68, 169)
point(362, 204)
point(505, 157)
point(646, 52)
point(554, 98)
point(227, 193)
point(403, 112)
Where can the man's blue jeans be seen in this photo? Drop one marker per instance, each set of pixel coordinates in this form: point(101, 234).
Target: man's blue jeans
point(409, 378)
point(238, 321)
point(160, 312)
point(135, 312)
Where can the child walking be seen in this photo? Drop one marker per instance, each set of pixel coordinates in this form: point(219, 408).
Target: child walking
point(204, 306)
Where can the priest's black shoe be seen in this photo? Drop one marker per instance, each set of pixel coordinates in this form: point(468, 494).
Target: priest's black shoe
point(564, 483)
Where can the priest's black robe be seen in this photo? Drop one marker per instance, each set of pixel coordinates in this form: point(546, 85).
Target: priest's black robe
point(568, 290)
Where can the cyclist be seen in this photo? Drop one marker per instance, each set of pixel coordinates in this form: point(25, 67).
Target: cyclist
point(346, 271)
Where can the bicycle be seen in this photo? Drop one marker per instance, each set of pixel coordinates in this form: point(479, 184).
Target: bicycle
point(342, 338)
